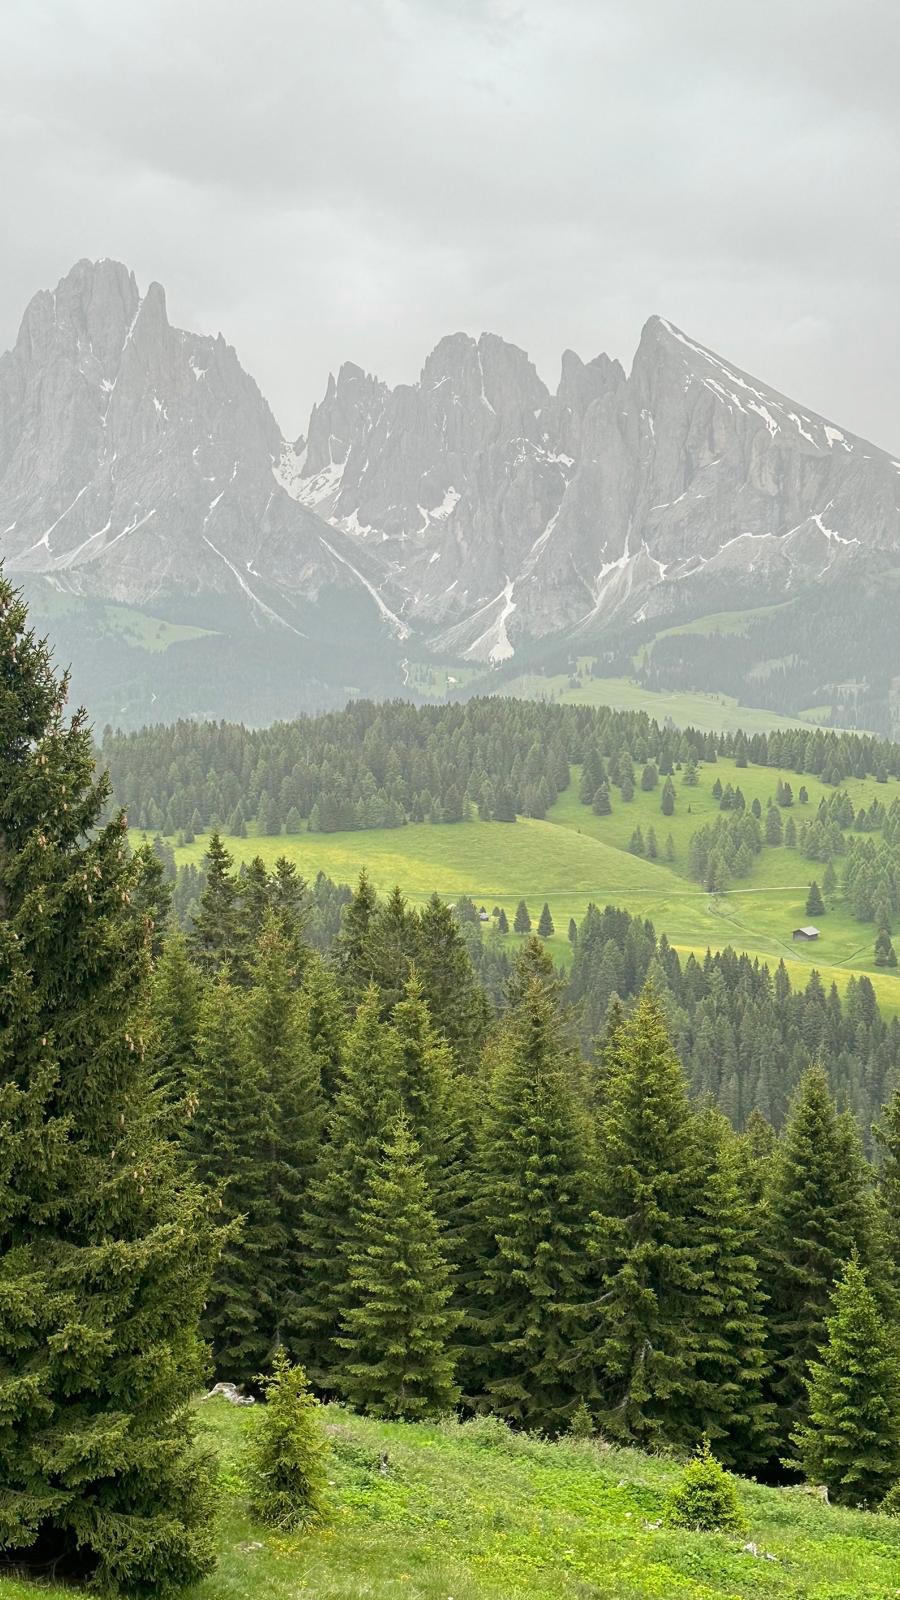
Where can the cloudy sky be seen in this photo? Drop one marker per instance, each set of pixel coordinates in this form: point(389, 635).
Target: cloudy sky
point(333, 179)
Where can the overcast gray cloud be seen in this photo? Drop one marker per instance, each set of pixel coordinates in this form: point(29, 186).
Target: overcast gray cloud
point(333, 179)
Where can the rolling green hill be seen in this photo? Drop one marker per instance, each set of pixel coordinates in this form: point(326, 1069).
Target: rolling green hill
point(472, 1512)
point(574, 857)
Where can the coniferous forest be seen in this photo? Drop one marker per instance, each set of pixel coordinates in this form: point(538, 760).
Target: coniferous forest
point(655, 1202)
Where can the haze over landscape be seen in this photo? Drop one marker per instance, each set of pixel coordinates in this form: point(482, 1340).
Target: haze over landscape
point(449, 801)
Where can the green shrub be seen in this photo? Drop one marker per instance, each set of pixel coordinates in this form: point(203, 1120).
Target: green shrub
point(286, 1465)
point(890, 1505)
point(705, 1498)
point(582, 1423)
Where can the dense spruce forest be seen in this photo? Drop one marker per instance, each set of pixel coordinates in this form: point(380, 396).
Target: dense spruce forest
point(571, 1224)
point(406, 1169)
point(378, 766)
point(742, 1030)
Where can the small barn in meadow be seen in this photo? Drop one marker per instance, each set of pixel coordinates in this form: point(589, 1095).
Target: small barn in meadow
point(806, 933)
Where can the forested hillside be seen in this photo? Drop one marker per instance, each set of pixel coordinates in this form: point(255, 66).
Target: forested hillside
point(743, 1030)
point(374, 766)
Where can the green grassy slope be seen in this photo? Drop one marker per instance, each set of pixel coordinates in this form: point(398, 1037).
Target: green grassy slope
point(574, 857)
point(474, 1513)
point(713, 712)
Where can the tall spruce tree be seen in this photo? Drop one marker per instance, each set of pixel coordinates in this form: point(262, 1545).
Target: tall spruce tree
point(366, 1101)
point(288, 1120)
point(105, 1252)
point(818, 1212)
point(391, 946)
point(289, 904)
point(174, 1019)
point(887, 1134)
point(648, 1259)
point(525, 1268)
point(221, 1142)
point(457, 1003)
point(324, 1020)
point(348, 952)
point(214, 937)
point(397, 1328)
point(731, 1356)
point(432, 1099)
point(851, 1438)
point(251, 907)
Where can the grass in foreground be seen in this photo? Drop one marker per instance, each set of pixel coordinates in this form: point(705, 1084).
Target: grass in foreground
point(475, 1513)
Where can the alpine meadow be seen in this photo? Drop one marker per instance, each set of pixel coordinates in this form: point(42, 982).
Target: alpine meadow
point(449, 801)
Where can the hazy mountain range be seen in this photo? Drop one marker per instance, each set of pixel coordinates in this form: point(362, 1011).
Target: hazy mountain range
point(197, 562)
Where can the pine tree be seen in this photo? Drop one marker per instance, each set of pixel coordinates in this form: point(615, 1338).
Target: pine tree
point(397, 1329)
point(851, 1440)
point(214, 938)
point(502, 921)
point(456, 1001)
point(349, 952)
point(152, 895)
point(774, 826)
point(287, 1455)
point(324, 1022)
point(602, 805)
point(887, 1135)
point(287, 1123)
point(365, 1104)
point(573, 931)
point(545, 925)
point(705, 1498)
point(815, 906)
point(818, 1212)
point(647, 1257)
point(732, 1362)
point(288, 902)
point(220, 1141)
point(667, 801)
point(391, 945)
point(525, 1271)
point(504, 804)
point(174, 1019)
point(429, 1092)
point(106, 1252)
point(522, 922)
point(885, 954)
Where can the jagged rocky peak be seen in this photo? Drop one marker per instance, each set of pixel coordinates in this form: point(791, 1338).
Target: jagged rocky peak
point(86, 316)
point(505, 511)
point(137, 458)
point(351, 404)
point(473, 505)
point(487, 371)
point(582, 382)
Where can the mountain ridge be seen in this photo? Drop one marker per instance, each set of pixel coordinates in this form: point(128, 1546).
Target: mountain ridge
point(473, 514)
point(593, 476)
